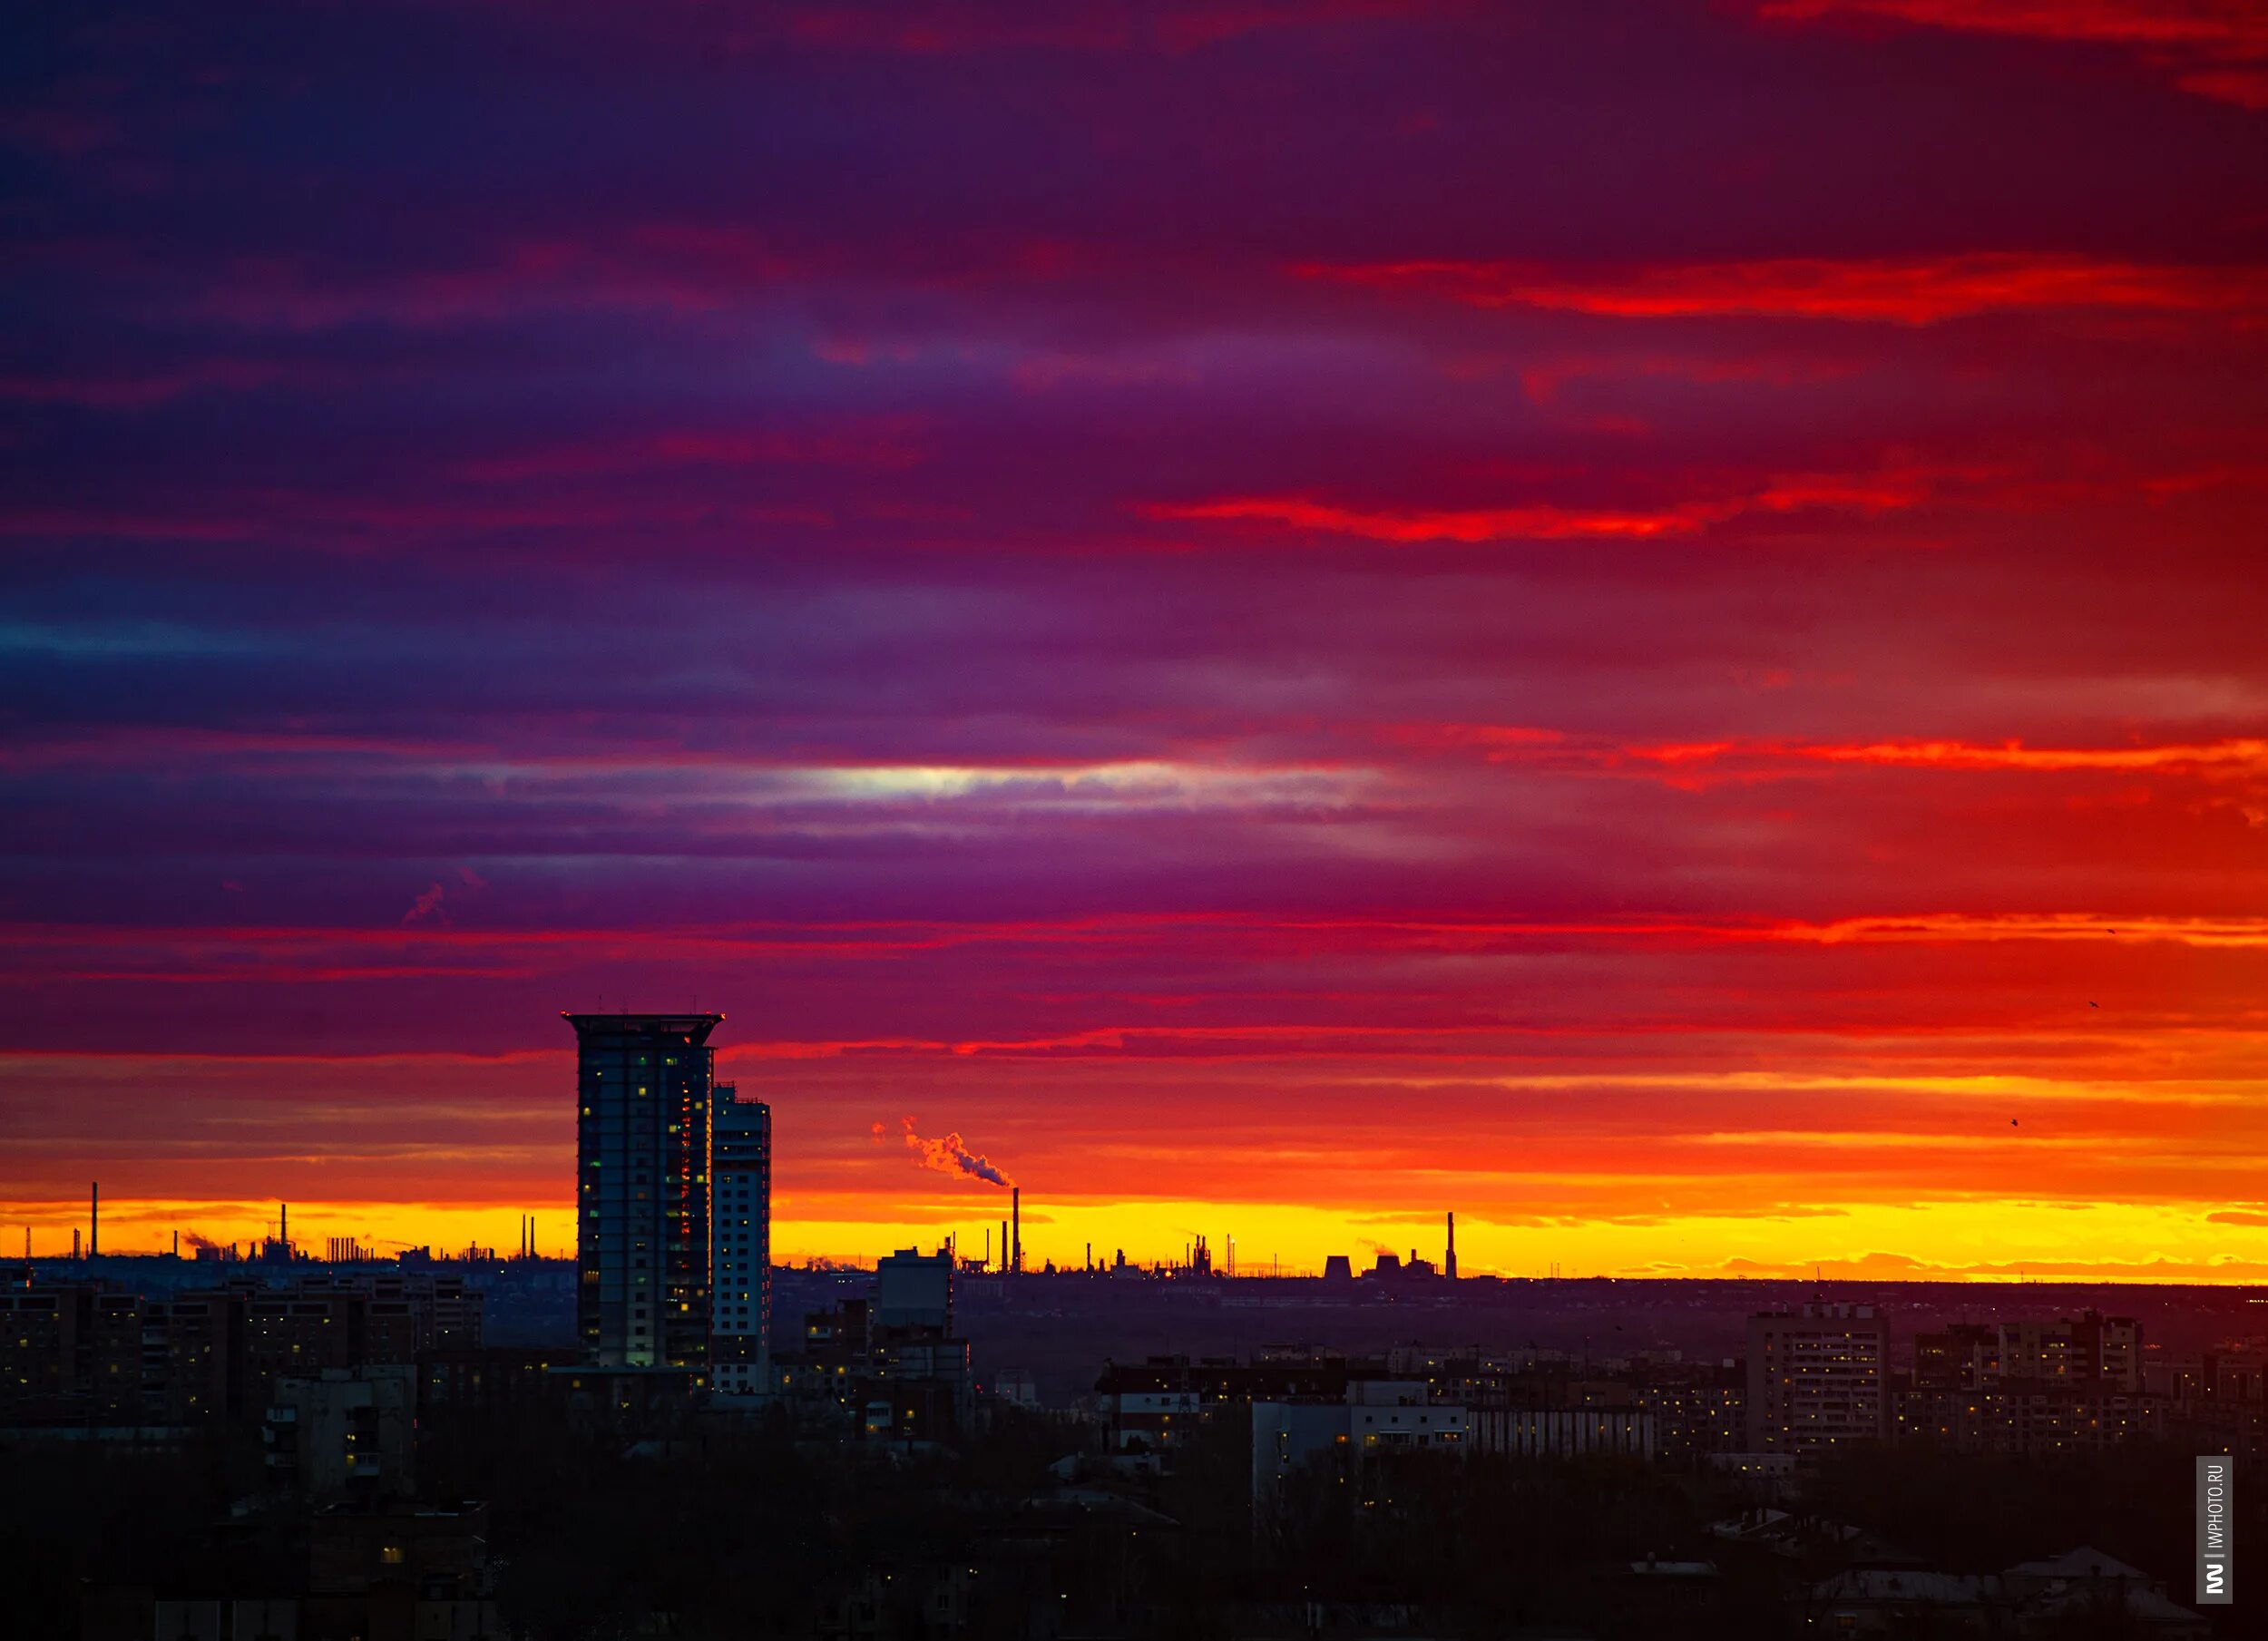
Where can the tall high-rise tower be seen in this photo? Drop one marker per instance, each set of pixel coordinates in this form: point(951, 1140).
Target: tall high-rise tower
point(644, 1085)
point(740, 1336)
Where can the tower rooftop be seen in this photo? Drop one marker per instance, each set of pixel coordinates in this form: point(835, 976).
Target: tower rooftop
point(684, 1027)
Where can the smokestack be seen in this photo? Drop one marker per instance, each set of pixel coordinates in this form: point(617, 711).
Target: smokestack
point(1450, 1265)
point(283, 1229)
point(94, 1219)
point(177, 1244)
point(75, 1242)
point(1015, 1219)
point(1003, 1245)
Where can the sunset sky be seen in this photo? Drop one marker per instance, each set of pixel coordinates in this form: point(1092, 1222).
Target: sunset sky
point(1648, 622)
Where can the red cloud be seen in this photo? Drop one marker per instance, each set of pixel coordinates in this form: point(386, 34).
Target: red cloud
point(2247, 755)
point(1870, 493)
point(1485, 525)
point(2214, 48)
point(1554, 748)
point(1916, 290)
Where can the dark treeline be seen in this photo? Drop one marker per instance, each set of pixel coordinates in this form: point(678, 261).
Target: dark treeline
point(740, 1531)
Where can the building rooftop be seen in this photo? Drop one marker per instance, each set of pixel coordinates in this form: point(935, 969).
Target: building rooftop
point(686, 1027)
point(1907, 1586)
point(2084, 1562)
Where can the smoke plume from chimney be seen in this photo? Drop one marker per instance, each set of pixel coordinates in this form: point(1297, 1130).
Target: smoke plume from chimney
point(950, 1155)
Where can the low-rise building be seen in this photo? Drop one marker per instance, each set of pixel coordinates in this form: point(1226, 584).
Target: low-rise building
point(1374, 1421)
point(345, 1433)
point(1565, 1433)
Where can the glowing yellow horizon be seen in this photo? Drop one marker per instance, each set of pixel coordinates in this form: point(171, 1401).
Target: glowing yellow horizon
point(1949, 1241)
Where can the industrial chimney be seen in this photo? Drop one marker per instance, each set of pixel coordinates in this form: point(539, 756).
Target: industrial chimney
point(94, 1219)
point(1449, 1265)
point(1015, 1233)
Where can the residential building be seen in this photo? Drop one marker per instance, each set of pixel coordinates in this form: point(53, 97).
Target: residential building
point(1564, 1432)
point(346, 1433)
point(1818, 1378)
point(741, 1245)
point(1374, 1421)
point(645, 1088)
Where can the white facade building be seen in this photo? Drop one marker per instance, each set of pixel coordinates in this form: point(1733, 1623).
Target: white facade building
point(1378, 1419)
